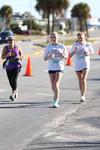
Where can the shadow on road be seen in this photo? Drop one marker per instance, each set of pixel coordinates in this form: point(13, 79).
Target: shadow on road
point(94, 79)
point(64, 146)
point(14, 104)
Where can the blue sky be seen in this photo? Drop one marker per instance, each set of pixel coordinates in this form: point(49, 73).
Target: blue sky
point(28, 5)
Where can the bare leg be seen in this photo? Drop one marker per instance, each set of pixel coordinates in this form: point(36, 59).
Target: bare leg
point(83, 81)
point(52, 79)
point(55, 81)
point(79, 74)
point(82, 77)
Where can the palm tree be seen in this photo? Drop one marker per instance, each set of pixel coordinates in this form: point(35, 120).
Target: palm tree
point(44, 7)
point(82, 12)
point(58, 7)
point(6, 12)
point(51, 7)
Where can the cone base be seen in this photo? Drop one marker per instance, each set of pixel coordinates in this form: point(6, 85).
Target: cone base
point(27, 75)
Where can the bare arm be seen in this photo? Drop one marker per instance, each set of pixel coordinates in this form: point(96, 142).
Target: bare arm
point(4, 55)
point(73, 52)
point(48, 56)
point(20, 53)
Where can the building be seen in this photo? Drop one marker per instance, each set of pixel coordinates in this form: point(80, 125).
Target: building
point(93, 23)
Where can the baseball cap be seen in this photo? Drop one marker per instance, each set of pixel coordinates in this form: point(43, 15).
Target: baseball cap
point(11, 37)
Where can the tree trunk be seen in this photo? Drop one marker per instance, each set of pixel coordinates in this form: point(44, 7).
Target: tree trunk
point(86, 28)
point(53, 20)
point(8, 20)
point(81, 24)
point(48, 23)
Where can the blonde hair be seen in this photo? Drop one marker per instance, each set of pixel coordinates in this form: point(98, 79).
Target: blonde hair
point(83, 33)
point(54, 33)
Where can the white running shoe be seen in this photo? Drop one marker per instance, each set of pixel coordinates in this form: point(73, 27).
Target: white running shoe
point(56, 105)
point(82, 99)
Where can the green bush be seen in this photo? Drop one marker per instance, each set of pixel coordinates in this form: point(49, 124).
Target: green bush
point(32, 25)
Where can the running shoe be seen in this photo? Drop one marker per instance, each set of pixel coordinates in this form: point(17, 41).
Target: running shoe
point(82, 99)
point(12, 98)
point(55, 105)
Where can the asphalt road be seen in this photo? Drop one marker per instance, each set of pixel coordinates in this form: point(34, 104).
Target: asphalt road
point(29, 123)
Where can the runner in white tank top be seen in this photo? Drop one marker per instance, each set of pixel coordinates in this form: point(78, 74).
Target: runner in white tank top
point(82, 51)
point(55, 53)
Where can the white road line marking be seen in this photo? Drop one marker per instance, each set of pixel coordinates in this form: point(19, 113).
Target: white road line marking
point(44, 94)
point(3, 90)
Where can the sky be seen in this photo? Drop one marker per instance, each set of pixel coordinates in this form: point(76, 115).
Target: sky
point(28, 5)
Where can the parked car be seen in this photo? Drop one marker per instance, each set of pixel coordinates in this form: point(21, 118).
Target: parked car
point(4, 35)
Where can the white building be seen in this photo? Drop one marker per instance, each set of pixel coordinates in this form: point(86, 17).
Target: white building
point(93, 23)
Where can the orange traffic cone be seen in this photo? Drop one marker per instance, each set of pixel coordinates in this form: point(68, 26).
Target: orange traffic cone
point(28, 68)
point(69, 60)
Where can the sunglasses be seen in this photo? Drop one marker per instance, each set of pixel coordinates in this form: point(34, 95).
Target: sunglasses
point(53, 37)
point(11, 40)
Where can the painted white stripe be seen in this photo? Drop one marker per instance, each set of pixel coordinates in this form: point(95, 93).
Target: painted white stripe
point(3, 90)
point(44, 94)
